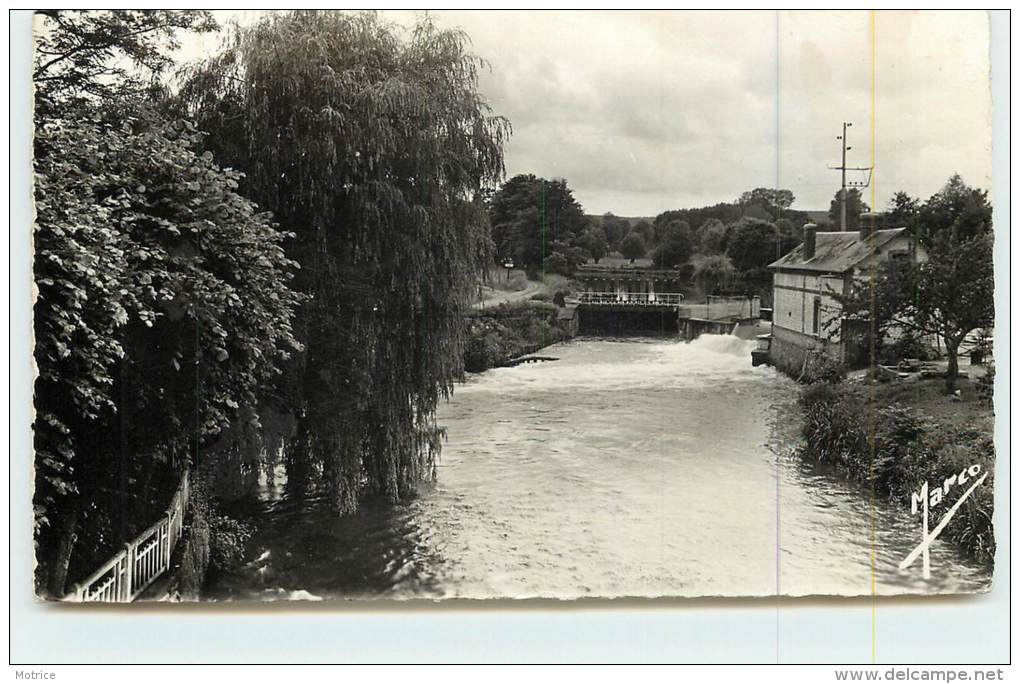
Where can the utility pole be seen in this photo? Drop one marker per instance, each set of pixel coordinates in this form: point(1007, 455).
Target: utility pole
point(842, 185)
point(843, 168)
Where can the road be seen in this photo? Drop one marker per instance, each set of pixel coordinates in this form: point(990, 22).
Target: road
point(500, 297)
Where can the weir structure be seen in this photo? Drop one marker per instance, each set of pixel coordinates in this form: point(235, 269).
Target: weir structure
point(620, 300)
point(623, 300)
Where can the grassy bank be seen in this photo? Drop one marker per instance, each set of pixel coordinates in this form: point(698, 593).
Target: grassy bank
point(500, 334)
point(897, 436)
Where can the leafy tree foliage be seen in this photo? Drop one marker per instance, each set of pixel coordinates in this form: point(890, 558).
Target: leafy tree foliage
point(956, 212)
point(645, 229)
point(162, 305)
point(373, 149)
point(675, 245)
point(903, 212)
point(773, 202)
point(855, 206)
point(594, 240)
point(677, 230)
point(712, 237)
point(713, 273)
point(533, 219)
point(104, 53)
point(764, 204)
point(753, 244)
point(615, 228)
point(633, 246)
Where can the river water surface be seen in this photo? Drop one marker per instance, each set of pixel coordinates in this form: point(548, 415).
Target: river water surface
point(625, 468)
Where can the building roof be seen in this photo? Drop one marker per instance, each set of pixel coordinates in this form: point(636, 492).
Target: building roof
point(834, 252)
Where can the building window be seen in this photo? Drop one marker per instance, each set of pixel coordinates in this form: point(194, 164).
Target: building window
point(816, 316)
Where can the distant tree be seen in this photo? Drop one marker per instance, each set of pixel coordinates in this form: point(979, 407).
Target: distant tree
point(528, 214)
point(712, 237)
point(903, 212)
point(646, 230)
point(675, 229)
point(675, 245)
point(957, 211)
point(728, 212)
point(594, 240)
point(633, 246)
point(670, 254)
point(752, 244)
point(951, 294)
point(564, 257)
point(713, 272)
point(558, 263)
point(615, 228)
point(771, 200)
point(855, 206)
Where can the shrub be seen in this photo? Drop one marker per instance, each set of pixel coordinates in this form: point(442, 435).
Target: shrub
point(896, 450)
point(228, 538)
point(821, 367)
point(558, 263)
point(518, 281)
point(986, 385)
point(906, 347)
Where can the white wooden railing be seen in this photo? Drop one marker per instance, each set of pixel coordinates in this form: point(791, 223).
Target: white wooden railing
point(141, 561)
point(632, 299)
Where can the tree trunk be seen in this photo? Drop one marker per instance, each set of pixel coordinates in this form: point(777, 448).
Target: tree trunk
point(62, 558)
point(953, 367)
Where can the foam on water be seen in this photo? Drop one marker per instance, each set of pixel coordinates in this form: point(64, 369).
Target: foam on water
point(648, 363)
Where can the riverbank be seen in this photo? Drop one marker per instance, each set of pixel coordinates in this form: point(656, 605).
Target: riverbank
point(496, 336)
point(895, 437)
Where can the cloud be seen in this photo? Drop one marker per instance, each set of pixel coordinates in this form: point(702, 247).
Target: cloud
point(647, 111)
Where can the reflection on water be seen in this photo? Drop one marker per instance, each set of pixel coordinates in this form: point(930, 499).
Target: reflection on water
point(625, 468)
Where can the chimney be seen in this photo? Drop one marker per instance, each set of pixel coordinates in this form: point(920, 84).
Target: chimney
point(810, 229)
point(868, 223)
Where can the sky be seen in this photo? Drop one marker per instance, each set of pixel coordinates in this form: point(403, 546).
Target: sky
point(647, 111)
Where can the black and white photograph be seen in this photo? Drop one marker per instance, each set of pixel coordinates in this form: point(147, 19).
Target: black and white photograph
point(417, 307)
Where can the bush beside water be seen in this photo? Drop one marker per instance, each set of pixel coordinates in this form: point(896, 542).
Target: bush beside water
point(212, 542)
point(865, 432)
point(498, 335)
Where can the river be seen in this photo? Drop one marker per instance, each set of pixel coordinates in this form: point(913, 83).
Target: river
point(637, 468)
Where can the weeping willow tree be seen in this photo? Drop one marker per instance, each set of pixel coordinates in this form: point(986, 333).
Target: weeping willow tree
point(371, 144)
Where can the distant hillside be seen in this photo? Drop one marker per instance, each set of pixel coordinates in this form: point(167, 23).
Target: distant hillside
point(819, 216)
point(629, 219)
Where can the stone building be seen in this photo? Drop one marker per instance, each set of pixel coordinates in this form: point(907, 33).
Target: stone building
point(807, 318)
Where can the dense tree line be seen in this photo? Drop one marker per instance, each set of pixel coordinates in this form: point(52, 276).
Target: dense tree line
point(726, 248)
point(538, 225)
point(273, 259)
